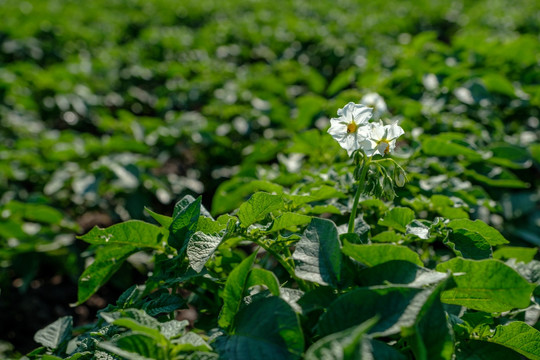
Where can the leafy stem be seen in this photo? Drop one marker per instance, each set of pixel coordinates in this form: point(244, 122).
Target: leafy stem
point(286, 265)
point(359, 190)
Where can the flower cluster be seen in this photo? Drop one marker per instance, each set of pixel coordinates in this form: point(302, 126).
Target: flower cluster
point(354, 131)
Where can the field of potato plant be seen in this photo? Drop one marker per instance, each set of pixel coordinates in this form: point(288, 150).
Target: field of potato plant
point(251, 179)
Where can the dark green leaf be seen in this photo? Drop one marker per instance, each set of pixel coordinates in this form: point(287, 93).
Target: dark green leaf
point(108, 260)
point(399, 272)
point(54, 335)
point(346, 344)
point(233, 292)
point(317, 255)
point(467, 244)
point(265, 329)
point(184, 224)
point(396, 306)
point(200, 248)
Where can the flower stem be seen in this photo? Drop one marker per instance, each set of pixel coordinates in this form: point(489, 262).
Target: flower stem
point(359, 190)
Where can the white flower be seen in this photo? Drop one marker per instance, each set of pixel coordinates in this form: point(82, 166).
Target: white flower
point(381, 139)
point(375, 101)
point(351, 127)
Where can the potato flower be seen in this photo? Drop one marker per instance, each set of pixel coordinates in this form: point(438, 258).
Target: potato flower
point(351, 127)
point(381, 138)
point(375, 101)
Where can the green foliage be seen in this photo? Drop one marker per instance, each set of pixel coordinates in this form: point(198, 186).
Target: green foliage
point(113, 106)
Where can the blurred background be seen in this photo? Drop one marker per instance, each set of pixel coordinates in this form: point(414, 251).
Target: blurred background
point(110, 106)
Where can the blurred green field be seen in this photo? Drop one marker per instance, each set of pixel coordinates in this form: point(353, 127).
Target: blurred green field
point(107, 107)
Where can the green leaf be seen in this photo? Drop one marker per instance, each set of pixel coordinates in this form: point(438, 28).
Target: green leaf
point(375, 254)
point(263, 277)
point(191, 342)
point(497, 83)
point(184, 224)
point(257, 207)
point(317, 255)
point(233, 292)
point(509, 156)
point(430, 336)
point(341, 81)
point(54, 335)
point(419, 228)
point(398, 218)
point(467, 244)
point(534, 149)
point(163, 220)
point(165, 303)
point(389, 236)
point(522, 254)
point(399, 272)
point(289, 220)
point(200, 248)
point(134, 346)
point(491, 235)
point(519, 337)
point(108, 260)
point(230, 194)
point(265, 329)
point(485, 285)
point(480, 350)
point(346, 344)
point(504, 179)
point(397, 307)
point(308, 106)
point(133, 233)
point(443, 146)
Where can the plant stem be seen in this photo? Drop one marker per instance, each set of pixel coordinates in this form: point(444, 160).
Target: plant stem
point(359, 190)
point(301, 283)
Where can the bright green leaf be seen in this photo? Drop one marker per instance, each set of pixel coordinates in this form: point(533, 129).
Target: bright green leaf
point(519, 337)
point(288, 220)
point(257, 207)
point(263, 277)
point(375, 254)
point(523, 254)
point(491, 235)
point(486, 285)
point(398, 218)
point(130, 233)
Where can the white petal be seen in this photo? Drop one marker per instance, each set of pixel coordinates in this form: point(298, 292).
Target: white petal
point(377, 131)
point(381, 148)
point(394, 131)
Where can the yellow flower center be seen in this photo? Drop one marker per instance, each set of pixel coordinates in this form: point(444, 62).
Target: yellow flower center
point(351, 127)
